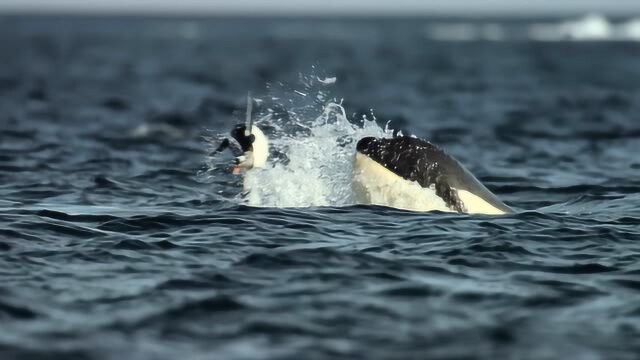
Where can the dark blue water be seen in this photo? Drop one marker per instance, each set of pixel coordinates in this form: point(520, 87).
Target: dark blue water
point(112, 246)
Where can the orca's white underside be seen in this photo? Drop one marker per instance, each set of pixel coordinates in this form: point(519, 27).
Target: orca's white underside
point(376, 185)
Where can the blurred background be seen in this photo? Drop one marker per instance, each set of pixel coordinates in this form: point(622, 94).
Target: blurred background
point(120, 238)
point(329, 7)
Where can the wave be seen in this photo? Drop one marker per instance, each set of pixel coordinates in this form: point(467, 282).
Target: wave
point(590, 27)
point(467, 32)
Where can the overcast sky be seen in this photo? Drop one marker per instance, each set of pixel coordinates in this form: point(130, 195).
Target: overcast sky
point(351, 7)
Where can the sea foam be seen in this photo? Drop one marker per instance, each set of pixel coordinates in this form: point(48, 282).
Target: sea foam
point(312, 143)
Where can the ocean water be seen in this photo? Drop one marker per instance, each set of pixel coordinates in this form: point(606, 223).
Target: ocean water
point(121, 237)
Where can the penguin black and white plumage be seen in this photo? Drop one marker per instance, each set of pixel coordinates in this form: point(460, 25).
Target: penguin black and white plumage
point(251, 142)
point(255, 147)
point(413, 174)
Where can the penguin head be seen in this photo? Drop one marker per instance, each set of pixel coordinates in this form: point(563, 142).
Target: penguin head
point(254, 145)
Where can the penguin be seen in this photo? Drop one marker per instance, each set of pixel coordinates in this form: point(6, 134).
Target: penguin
point(254, 145)
point(251, 142)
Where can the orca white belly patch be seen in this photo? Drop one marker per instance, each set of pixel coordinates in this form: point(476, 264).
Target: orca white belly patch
point(376, 185)
point(477, 205)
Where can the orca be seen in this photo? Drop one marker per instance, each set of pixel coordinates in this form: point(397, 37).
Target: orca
point(412, 174)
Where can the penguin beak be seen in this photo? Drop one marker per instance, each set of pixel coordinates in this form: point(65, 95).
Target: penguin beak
point(242, 162)
point(238, 166)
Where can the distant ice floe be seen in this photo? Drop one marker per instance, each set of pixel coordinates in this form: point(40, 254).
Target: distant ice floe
point(630, 30)
point(591, 27)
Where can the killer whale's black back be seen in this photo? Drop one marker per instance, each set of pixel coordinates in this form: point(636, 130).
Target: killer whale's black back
point(418, 160)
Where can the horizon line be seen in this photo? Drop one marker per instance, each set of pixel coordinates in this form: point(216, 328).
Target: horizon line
point(261, 11)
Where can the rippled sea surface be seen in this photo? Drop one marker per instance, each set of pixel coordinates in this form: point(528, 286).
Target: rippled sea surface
point(112, 246)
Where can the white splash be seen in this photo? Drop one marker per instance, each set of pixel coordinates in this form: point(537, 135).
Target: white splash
point(327, 80)
point(318, 166)
point(312, 144)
